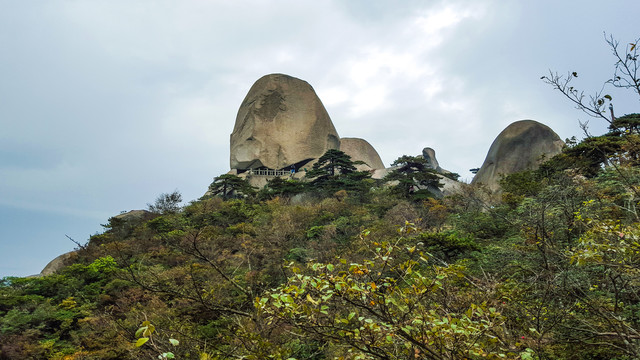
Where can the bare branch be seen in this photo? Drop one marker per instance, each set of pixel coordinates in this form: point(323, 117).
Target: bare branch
point(625, 74)
point(593, 106)
point(80, 246)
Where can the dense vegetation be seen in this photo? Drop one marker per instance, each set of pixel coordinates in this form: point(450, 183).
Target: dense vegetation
point(344, 267)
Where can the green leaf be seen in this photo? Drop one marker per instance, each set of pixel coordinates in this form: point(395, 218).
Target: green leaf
point(330, 267)
point(174, 342)
point(140, 331)
point(141, 341)
point(169, 355)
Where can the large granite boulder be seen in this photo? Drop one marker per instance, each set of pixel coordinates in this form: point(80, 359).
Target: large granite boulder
point(58, 263)
point(361, 150)
point(281, 123)
point(523, 145)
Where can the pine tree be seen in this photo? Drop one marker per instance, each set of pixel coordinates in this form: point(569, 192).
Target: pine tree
point(228, 185)
point(414, 178)
point(336, 171)
point(281, 187)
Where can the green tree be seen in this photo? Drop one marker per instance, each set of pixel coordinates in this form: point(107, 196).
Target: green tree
point(334, 162)
point(627, 124)
point(229, 185)
point(336, 171)
point(282, 188)
point(416, 180)
point(166, 203)
point(392, 305)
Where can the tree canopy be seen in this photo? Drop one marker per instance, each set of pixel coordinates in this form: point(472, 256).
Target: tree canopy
point(229, 185)
point(416, 180)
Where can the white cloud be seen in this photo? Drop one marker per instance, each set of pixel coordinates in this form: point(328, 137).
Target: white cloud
point(434, 21)
point(369, 99)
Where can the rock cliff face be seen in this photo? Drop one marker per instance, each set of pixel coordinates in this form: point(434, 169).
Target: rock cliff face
point(519, 147)
point(281, 123)
point(361, 150)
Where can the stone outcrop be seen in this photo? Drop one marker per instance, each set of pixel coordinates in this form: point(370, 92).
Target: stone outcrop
point(135, 216)
point(430, 155)
point(361, 150)
point(520, 146)
point(449, 185)
point(281, 123)
point(58, 263)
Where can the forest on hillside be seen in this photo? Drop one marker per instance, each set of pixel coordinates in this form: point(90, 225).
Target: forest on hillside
point(342, 266)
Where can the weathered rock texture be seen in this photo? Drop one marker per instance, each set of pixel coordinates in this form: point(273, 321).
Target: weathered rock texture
point(520, 146)
point(430, 155)
point(280, 123)
point(361, 150)
point(58, 263)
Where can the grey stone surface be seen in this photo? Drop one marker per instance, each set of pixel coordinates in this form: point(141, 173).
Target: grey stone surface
point(57, 264)
point(281, 122)
point(135, 216)
point(520, 146)
point(361, 150)
point(430, 155)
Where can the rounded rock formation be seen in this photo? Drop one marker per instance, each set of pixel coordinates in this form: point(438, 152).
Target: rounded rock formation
point(520, 146)
point(58, 263)
point(281, 123)
point(361, 150)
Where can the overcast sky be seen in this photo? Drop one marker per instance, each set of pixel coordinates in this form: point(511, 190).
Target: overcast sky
point(106, 104)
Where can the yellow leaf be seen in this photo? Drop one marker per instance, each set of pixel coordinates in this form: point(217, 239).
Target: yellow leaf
point(311, 300)
point(141, 341)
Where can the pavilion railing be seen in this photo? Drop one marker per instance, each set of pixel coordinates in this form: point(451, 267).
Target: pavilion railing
point(268, 172)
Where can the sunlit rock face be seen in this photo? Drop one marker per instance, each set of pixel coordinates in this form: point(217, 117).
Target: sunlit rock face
point(281, 123)
point(520, 146)
point(361, 150)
